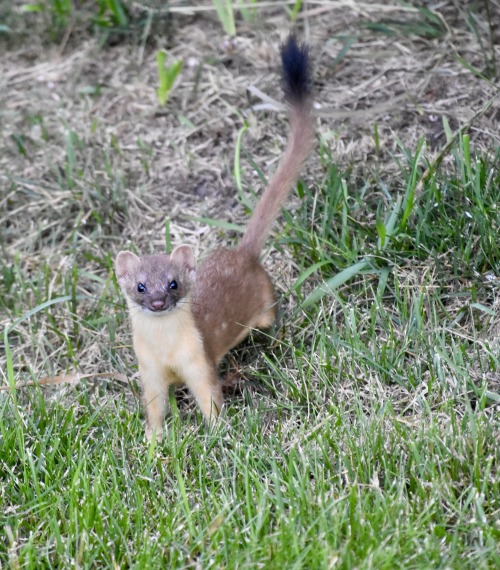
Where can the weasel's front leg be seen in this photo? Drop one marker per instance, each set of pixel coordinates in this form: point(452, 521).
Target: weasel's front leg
point(200, 377)
point(155, 384)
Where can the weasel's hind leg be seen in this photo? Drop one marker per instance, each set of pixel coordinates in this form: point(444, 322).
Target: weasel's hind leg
point(264, 320)
point(265, 317)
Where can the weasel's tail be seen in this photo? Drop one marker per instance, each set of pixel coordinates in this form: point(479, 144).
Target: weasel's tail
point(296, 79)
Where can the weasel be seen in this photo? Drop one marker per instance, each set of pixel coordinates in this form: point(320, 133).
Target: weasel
point(185, 317)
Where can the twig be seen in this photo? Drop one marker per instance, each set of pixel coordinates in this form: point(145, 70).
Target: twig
point(68, 379)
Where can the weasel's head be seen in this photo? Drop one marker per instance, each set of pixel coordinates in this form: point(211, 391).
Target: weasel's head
point(156, 283)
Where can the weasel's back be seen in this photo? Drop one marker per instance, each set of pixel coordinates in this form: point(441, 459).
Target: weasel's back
point(232, 293)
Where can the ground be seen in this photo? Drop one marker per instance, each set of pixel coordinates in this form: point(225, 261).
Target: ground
point(91, 163)
point(384, 76)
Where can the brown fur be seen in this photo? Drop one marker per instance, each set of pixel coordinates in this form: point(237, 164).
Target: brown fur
point(185, 319)
point(232, 295)
point(267, 210)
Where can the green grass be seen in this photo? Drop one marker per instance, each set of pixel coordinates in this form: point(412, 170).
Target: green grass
point(370, 440)
point(352, 487)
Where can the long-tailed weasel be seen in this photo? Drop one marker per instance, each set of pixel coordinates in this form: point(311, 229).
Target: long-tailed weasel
point(186, 318)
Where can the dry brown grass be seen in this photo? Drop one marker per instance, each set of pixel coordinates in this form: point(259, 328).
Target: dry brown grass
point(138, 163)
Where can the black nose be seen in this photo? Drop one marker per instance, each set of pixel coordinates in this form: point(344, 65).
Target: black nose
point(158, 305)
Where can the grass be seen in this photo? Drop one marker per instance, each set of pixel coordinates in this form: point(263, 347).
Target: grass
point(375, 446)
point(364, 430)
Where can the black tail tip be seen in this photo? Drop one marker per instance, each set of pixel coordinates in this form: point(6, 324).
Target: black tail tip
point(295, 70)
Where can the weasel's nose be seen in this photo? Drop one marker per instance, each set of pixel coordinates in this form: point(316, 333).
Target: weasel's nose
point(158, 305)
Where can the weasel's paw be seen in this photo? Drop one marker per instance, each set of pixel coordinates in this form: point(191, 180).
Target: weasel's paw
point(156, 433)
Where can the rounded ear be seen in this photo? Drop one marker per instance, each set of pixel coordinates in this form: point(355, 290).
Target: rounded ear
point(126, 265)
point(183, 255)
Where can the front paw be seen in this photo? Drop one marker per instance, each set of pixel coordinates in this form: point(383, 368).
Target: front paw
point(154, 433)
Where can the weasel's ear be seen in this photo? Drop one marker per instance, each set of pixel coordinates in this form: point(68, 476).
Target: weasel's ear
point(184, 255)
point(126, 265)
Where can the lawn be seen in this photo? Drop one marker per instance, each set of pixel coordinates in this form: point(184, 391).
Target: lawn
point(362, 430)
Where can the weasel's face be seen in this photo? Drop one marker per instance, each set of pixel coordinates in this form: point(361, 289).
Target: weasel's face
point(156, 283)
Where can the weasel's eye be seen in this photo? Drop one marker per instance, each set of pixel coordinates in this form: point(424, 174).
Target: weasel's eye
point(141, 288)
point(172, 284)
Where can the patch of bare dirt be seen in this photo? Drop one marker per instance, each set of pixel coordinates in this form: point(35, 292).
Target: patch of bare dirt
point(402, 82)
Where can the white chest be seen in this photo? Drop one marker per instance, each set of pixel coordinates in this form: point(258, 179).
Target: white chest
point(166, 341)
